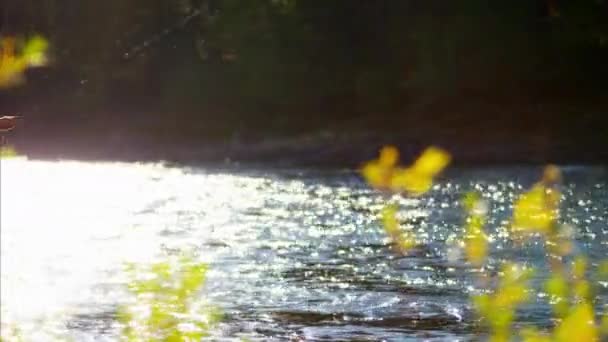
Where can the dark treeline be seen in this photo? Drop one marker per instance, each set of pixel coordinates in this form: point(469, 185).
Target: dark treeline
point(190, 70)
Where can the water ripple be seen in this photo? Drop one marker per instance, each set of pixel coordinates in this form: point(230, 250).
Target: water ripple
point(294, 254)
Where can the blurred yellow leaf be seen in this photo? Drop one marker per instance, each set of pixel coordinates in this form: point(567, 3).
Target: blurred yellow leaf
point(510, 296)
point(166, 301)
point(499, 308)
point(557, 288)
point(604, 324)
point(530, 212)
point(379, 173)
point(536, 210)
point(477, 248)
point(8, 152)
point(401, 239)
point(471, 200)
point(162, 270)
point(418, 178)
point(582, 290)
point(13, 63)
point(482, 304)
point(389, 156)
point(602, 270)
point(406, 179)
point(432, 161)
point(578, 325)
point(389, 219)
point(476, 241)
point(384, 173)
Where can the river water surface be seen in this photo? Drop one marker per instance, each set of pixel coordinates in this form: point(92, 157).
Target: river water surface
point(293, 254)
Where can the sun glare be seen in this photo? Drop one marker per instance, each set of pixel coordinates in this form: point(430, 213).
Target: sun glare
point(67, 224)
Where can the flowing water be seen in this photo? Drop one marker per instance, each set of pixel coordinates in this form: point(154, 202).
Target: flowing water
point(293, 254)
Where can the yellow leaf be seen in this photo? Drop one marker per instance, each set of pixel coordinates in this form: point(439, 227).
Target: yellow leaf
point(582, 290)
point(482, 304)
point(470, 200)
point(389, 220)
point(8, 152)
point(476, 241)
point(11, 72)
point(418, 178)
point(511, 296)
point(531, 212)
point(536, 210)
point(476, 249)
point(578, 326)
point(389, 155)
point(162, 270)
point(13, 65)
point(376, 175)
point(602, 270)
point(408, 180)
point(432, 161)
point(604, 324)
point(402, 240)
point(498, 309)
point(557, 287)
point(384, 173)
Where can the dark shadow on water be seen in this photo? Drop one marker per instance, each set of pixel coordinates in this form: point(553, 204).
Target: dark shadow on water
point(102, 323)
point(343, 318)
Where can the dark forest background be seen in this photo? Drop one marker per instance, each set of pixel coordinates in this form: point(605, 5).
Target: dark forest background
point(518, 80)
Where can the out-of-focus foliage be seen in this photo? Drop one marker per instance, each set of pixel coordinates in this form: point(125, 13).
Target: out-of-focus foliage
point(579, 325)
point(604, 326)
point(476, 241)
point(167, 304)
point(384, 173)
point(403, 240)
point(537, 209)
point(379, 173)
point(557, 287)
point(535, 213)
point(603, 270)
point(498, 309)
point(8, 152)
point(17, 55)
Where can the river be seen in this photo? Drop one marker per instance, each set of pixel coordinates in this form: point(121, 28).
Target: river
point(293, 253)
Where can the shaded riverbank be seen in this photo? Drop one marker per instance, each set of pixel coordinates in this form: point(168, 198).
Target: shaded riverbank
point(313, 150)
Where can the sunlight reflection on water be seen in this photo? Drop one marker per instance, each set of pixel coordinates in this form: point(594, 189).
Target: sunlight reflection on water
point(292, 252)
point(66, 226)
